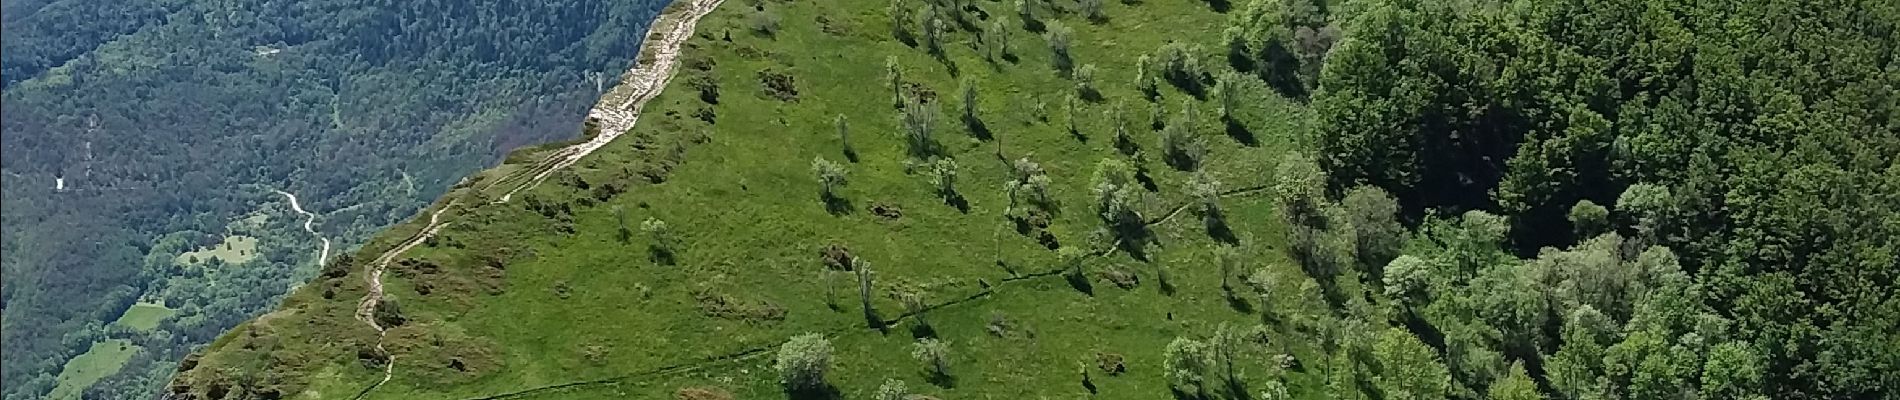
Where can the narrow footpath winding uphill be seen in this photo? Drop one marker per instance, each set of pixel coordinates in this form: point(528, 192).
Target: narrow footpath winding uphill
point(614, 114)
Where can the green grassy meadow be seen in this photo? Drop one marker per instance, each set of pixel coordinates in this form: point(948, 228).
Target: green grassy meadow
point(543, 292)
point(104, 358)
point(236, 249)
point(144, 316)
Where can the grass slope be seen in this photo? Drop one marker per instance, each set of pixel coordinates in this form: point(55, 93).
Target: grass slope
point(540, 298)
point(144, 316)
point(104, 358)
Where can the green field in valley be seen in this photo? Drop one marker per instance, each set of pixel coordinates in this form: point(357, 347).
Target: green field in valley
point(144, 316)
point(102, 359)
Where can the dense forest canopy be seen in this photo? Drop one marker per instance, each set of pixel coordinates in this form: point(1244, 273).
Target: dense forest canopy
point(167, 120)
point(1757, 140)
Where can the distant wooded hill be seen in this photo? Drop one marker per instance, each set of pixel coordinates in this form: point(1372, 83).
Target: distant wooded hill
point(171, 122)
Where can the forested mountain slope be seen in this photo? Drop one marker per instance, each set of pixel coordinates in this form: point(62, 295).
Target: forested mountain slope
point(145, 141)
point(1362, 199)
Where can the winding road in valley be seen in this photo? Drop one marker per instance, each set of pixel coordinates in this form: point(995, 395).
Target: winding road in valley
point(615, 113)
point(309, 225)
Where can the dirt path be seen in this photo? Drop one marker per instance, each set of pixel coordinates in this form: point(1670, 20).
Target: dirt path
point(620, 108)
point(309, 223)
point(616, 112)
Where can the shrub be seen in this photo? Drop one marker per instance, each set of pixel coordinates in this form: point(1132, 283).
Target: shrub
point(1588, 219)
point(935, 354)
point(1093, 10)
point(892, 389)
point(1185, 362)
point(919, 120)
point(943, 175)
point(831, 178)
point(1117, 194)
point(665, 244)
point(1085, 82)
point(1059, 36)
point(803, 361)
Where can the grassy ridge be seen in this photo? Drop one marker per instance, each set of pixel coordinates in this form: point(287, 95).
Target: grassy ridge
point(541, 292)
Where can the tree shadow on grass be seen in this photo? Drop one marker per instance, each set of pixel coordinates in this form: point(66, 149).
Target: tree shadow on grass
point(828, 392)
point(1220, 6)
point(836, 205)
point(1237, 301)
point(977, 128)
point(958, 201)
point(661, 255)
point(875, 321)
point(920, 330)
point(1218, 230)
point(1240, 133)
point(945, 381)
point(1080, 281)
point(1165, 283)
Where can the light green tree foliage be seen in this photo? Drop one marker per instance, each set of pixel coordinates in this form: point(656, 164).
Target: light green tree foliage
point(1186, 363)
point(1408, 369)
point(934, 29)
point(1228, 258)
point(919, 120)
point(996, 40)
point(1145, 74)
point(1647, 207)
point(1180, 62)
point(1576, 371)
point(1298, 188)
point(901, 15)
point(1517, 385)
point(1262, 282)
point(1085, 81)
point(1286, 37)
point(803, 361)
point(1181, 141)
point(943, 176)
point(892, 389)
point(1593, 273)
point(1408, 280)
point(1587, 219)
point(1654, 364)
point(935, 354)
point(1227, 89)
point(1510, 298)
point(1059, 37)
point(1374, 217)
point(968, 96)
point(1117, 115)
point(664, 240)
point(1030, 183)
point(1073, 109)
point(1092, 9)
point(844, 135)
point(1227, 347)
point(1206, 188)
point(894, 73)
point(1734, 370)
point(1117, 194)
point(831, 177)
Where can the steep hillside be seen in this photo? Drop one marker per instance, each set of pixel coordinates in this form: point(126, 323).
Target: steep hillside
point(141, 133)
point(1136, 200)
point(564, 284)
